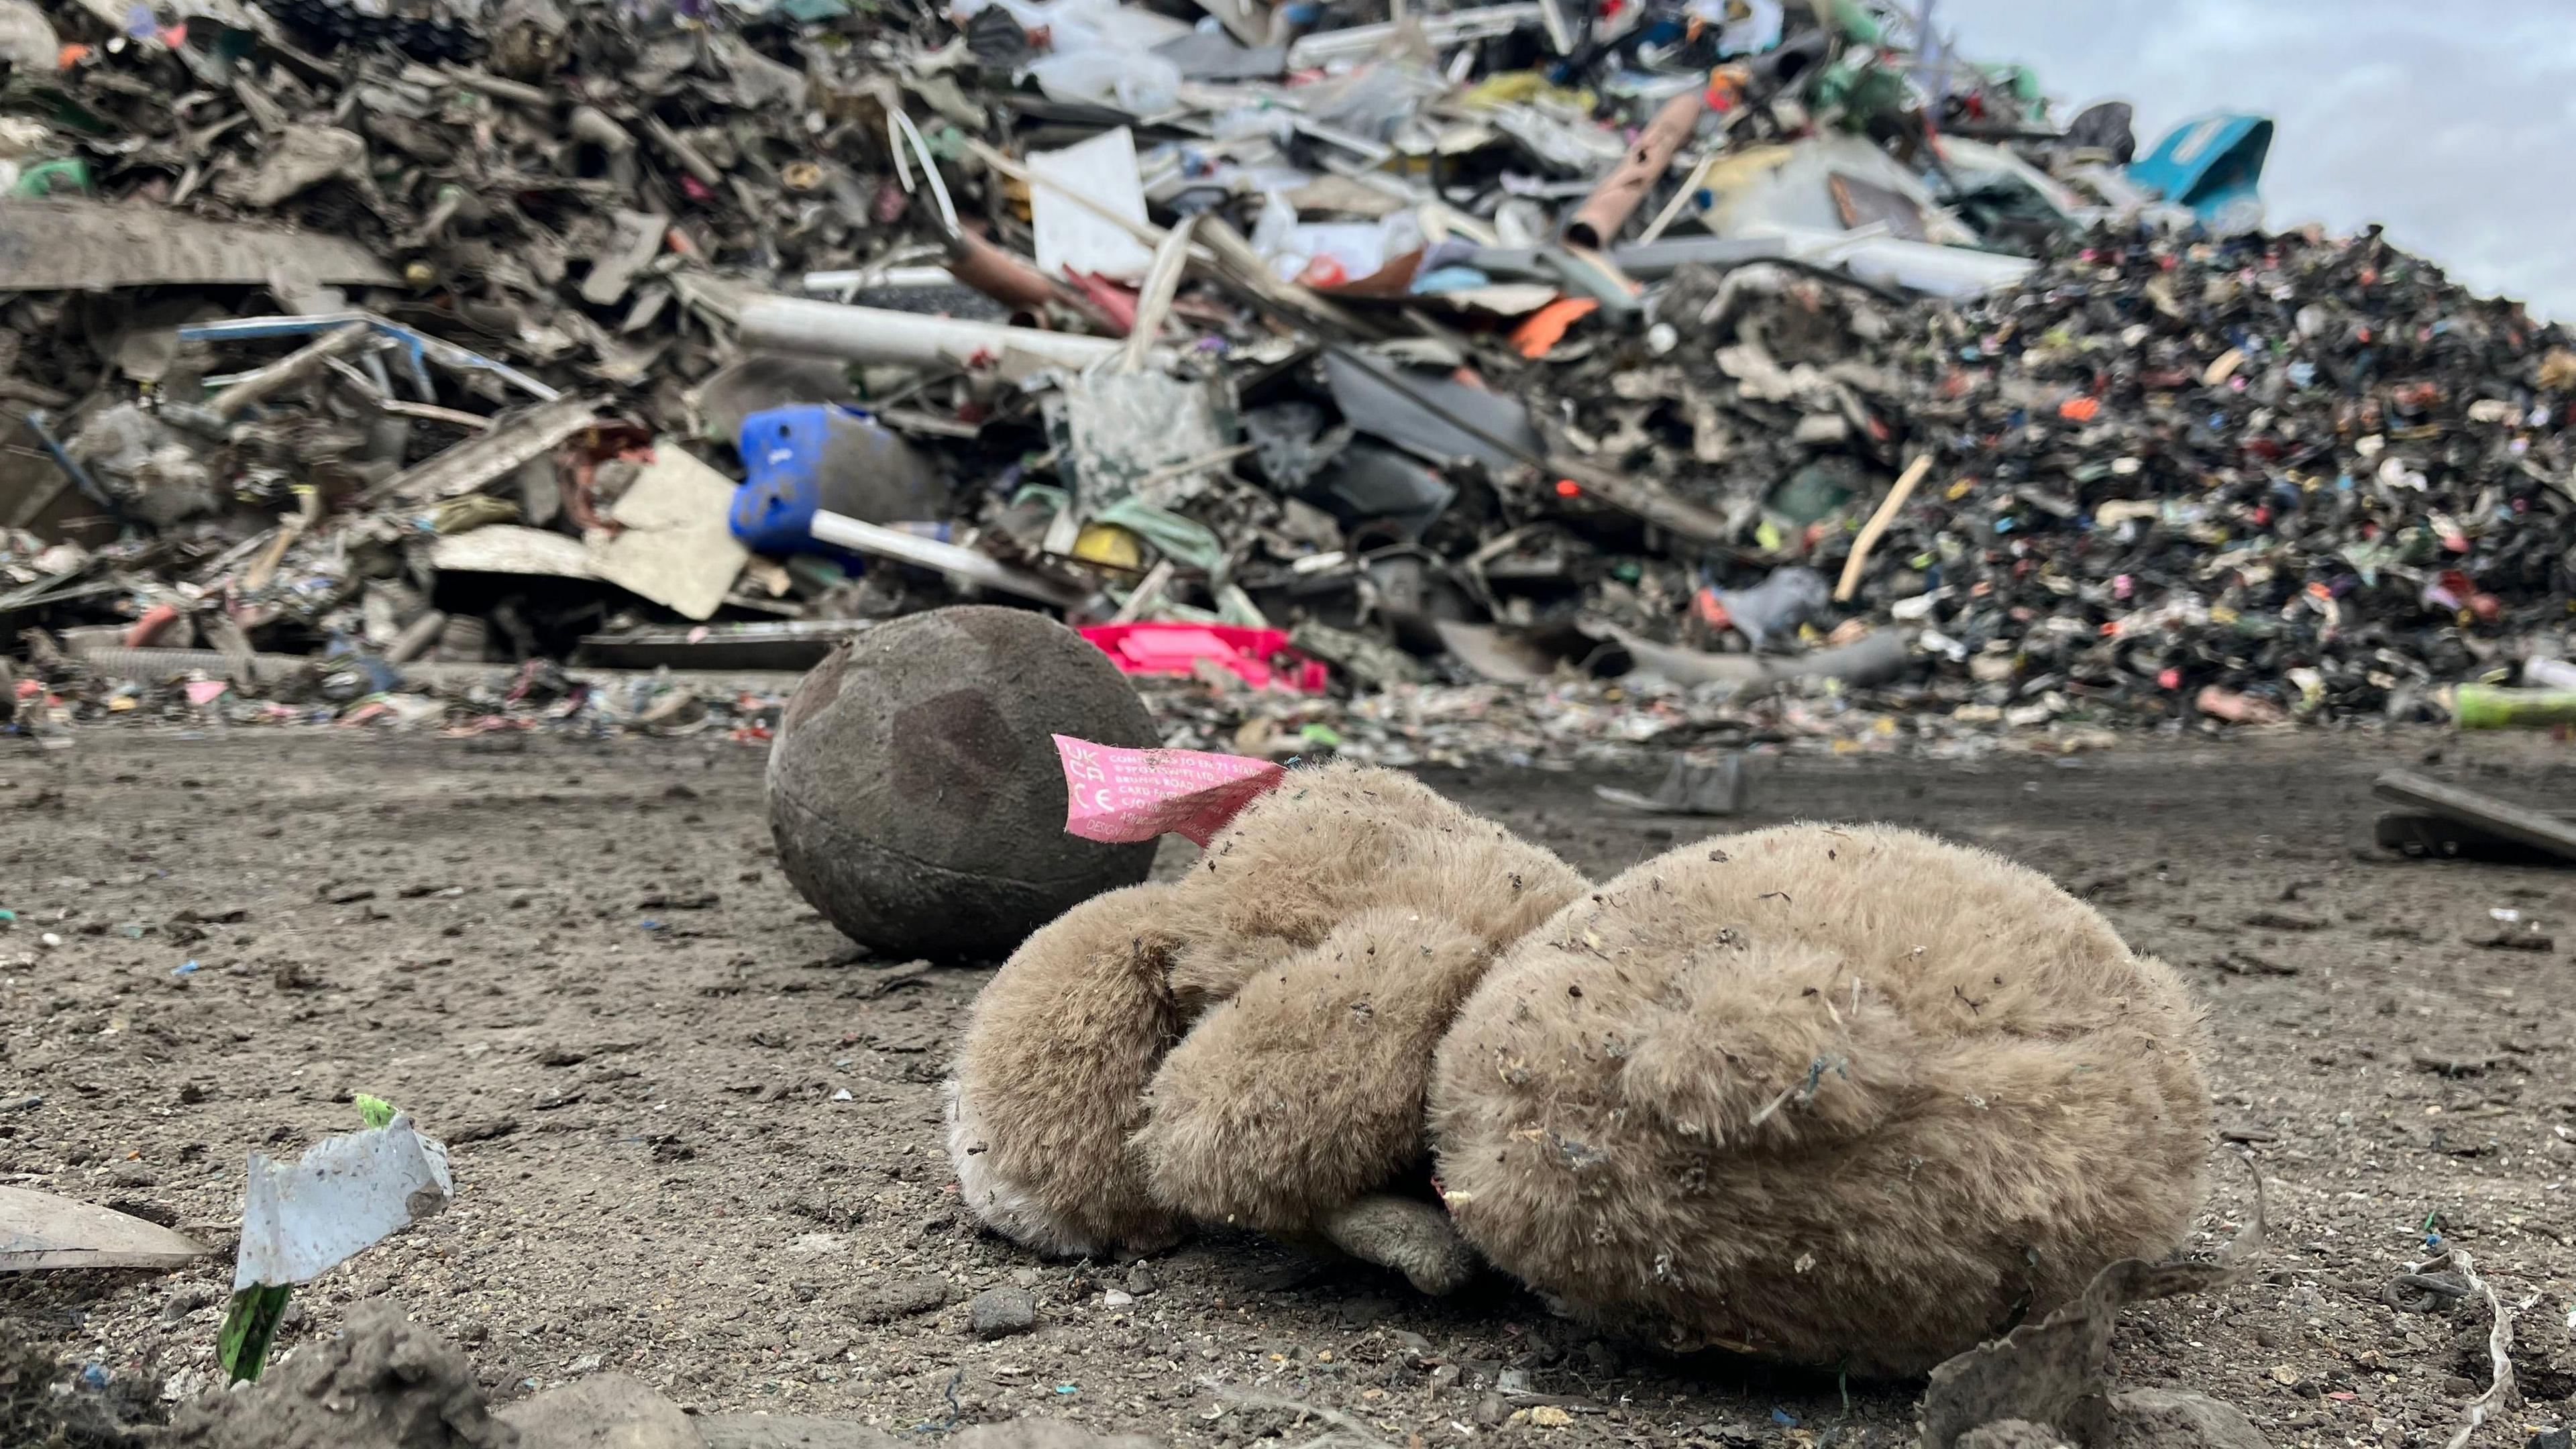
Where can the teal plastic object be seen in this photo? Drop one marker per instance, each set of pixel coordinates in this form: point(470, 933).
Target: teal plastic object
point(2212, 164)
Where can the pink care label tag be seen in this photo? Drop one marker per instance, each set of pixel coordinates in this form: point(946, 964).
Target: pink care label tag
point(1122, 795)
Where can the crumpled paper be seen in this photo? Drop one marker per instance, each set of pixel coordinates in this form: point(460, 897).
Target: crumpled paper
point(301, 1219)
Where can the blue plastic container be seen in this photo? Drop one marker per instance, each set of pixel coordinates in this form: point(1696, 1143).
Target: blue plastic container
point(815, 457)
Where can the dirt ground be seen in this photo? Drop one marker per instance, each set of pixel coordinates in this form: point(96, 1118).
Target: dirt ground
point(697, 1139)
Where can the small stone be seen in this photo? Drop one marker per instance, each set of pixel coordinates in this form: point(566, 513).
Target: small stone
point(2549, 1439)
point(1117, 1298)
point(1140, 1278)
point(133, 1174)
point(2176, 1419)
point(901, 1298)
point(187, 1298)
point(1002, 1312)
point(1490, 1410)
point(1025, 1277)
point(610, 1411)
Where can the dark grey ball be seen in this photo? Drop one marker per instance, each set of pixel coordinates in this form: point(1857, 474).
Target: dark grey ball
point(914, 788)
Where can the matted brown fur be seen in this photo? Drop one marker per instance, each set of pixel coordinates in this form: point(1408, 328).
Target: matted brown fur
point(1305, 1088)
point(1050, 1079)
point(1299, 975)
point(1332, 842)
point(1844, 1096)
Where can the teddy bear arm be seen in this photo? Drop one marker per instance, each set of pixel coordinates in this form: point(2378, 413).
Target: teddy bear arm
point(1305, 1088)
point(1052, 1074)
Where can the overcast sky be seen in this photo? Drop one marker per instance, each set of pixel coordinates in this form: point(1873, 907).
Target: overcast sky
point(2452, 124)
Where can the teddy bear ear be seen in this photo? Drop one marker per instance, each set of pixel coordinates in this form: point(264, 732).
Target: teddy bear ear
point(1302, 857)
point(1051, 1076)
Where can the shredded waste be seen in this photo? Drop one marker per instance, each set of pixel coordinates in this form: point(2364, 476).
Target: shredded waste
point(1527, 381)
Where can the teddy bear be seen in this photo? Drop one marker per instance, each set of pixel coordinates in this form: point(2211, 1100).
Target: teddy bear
point(1846, 1096)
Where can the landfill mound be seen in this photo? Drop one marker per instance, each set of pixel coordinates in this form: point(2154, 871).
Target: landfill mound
point(2311, 476)
point(1422, 383)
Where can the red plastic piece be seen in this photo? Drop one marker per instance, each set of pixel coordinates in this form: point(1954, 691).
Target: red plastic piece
point(1258, 657)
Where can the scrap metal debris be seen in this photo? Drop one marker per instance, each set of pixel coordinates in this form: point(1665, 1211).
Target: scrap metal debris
point(1548, 381)
point(2450, 820)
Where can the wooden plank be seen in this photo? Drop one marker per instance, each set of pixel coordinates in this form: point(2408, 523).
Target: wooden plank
point(2535, 828)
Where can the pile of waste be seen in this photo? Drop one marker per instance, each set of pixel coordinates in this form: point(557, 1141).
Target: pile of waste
point(1763, 364)
point(2255, 477)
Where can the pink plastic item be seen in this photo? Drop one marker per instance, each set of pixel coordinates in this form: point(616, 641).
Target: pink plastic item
point(1121, 795)
point(1158, 647)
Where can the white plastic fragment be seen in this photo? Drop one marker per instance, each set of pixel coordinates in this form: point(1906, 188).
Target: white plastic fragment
point(40, 1230)
point(347, 1193)
point(1070, 238)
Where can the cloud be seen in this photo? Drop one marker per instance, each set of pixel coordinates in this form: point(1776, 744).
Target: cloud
point(2452, 125)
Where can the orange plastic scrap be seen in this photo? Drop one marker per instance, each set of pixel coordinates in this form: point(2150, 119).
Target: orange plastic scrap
point(1547, 326)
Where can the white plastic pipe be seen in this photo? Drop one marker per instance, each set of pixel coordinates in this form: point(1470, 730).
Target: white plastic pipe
point(1458, 27)
point(2542, 672)
point(843, 531)
point(890, 278)
point(1926, 267)
point(909, 339)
